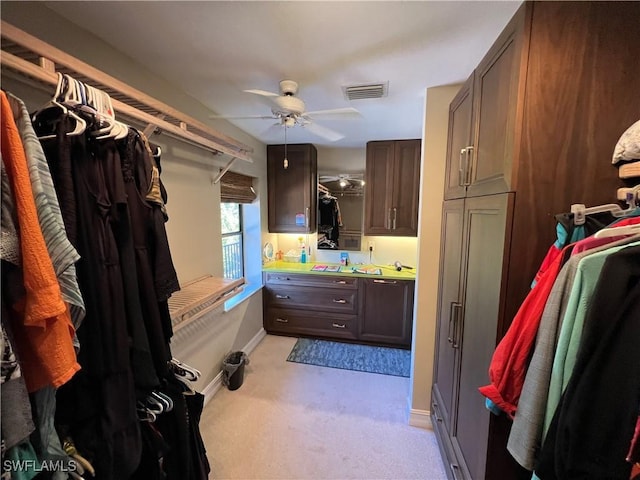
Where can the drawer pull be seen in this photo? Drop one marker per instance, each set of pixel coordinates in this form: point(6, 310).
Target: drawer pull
point(390, 282)
point(341, 282)
point(283, 297)
point(339, 300)
point(338, 325)
point(282, 320)
point(282, 278)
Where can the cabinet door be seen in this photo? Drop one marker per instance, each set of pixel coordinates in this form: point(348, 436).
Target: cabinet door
point(387, 311)
point(485, 245)
point(446, 363)
point(495, 105)
point(406, 188)
point(378, 186)
point(459, 139)
point(292, 191)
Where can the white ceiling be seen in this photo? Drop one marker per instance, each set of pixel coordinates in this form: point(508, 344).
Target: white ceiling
point(213, 50)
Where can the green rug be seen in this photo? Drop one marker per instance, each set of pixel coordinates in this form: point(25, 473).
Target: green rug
point(348, 356)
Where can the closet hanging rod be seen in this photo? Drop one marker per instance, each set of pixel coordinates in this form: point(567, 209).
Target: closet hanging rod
point(30, 56)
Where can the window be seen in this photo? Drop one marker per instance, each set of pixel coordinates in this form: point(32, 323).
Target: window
point(232, 254)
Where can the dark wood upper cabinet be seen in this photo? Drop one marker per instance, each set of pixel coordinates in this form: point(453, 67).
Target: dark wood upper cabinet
point(292, 191)
point(459, 140)
point(392, 188)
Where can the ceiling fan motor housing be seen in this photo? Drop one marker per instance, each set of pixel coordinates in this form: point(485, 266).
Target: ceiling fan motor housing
point(287, 105)
point(288, 87)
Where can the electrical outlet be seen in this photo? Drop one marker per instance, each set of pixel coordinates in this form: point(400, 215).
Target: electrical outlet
point(372, 245)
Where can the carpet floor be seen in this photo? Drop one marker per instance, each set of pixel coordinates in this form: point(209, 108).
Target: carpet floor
point(295, 421)
point(348, 356)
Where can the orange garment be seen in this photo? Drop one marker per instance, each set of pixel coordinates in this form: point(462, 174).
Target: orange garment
point(41, 321)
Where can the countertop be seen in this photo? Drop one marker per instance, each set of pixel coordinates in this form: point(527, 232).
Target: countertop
point(386, 271)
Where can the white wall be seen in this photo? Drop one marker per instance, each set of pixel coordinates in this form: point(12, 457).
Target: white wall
point(434, 150)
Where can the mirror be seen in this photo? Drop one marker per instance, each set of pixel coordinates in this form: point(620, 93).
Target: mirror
point(340, 211)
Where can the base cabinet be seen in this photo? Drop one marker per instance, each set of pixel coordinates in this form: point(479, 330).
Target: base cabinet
point(373, 311)
point(387, 311)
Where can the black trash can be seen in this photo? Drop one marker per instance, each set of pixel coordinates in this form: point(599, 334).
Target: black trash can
point(233, 369)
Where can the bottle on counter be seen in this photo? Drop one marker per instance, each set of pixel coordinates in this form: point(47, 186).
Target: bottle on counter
point(303, 254)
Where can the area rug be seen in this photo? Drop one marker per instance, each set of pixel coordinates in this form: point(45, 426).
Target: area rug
point(348, 356)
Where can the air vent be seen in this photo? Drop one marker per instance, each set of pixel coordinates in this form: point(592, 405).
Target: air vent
point(371, 90)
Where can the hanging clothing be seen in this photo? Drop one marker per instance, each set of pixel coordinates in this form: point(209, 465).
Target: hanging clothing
point(97, 408)
point(41, 321)
point(510, 361)
point(329, 217)
point(527, 431)
point(605, 384)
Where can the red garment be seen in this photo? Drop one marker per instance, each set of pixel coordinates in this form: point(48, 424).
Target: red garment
point(510, 360)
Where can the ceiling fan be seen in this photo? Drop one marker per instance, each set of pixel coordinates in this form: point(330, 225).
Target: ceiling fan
point(344, 180)
point(289, 111)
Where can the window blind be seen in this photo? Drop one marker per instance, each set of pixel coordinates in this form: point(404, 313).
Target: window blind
point(236, 188)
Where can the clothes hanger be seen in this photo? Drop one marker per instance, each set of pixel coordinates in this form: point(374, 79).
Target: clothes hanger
point(618, 231)
point(39, 117)
point(182, 370)
point(579, 211)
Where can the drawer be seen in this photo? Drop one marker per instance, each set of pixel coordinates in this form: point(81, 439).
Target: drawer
point(322, 300)
point(289, 321)
point(312, 280)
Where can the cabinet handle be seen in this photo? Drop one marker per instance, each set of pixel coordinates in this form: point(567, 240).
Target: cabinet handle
point(387, 224)
point(339, 300)
point(451, 322)
point(434, 413)
point(454, 469)
point(469, 165)
point(282, 320)
point(437, 418)
point(389, 282)
point(461, 169)
point(306, 218)
point(338, 325)
point(282, 278)
point(283, 297)
point(457, 308)
point(395, 217)
point(341, 282)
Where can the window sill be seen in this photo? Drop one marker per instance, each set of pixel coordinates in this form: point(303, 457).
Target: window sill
point(252, 286)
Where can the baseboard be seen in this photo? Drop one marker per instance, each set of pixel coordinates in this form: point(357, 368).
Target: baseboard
point(420, 418)
point(253, 343)
point(212, 388)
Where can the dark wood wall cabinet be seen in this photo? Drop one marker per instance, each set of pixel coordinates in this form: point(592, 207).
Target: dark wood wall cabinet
point(292, 191)
point(374, 311)
point(531, 132)
point(392, 188)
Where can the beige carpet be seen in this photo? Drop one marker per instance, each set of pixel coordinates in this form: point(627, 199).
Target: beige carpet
point(295, 421)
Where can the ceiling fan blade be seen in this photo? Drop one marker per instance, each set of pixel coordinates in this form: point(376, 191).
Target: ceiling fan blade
point(264, 93)
point(323, 132)
point(246, 117)
point(334, 111)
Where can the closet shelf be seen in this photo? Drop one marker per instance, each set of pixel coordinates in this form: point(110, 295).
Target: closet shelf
point(199, 297)
point(28, 56)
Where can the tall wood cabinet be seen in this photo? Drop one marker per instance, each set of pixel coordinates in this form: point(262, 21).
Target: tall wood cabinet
point(292, 191)
point(392, 188)
point(531, 132)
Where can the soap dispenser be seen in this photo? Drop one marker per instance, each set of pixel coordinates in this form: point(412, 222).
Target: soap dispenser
point(303, 254)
